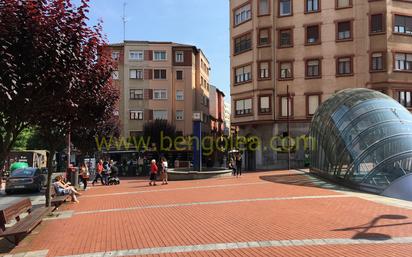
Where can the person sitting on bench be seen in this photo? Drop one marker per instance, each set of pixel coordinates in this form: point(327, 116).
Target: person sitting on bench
point(64, 189)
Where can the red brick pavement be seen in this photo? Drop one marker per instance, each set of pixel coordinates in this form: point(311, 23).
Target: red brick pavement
point(287, 219)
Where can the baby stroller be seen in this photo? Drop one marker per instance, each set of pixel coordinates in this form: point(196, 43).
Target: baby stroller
point(113, 179)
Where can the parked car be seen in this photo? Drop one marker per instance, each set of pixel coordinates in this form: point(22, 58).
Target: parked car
point(25, 179)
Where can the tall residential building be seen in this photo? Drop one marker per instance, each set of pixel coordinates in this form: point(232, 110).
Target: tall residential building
point(314, 47)
point(160, 80)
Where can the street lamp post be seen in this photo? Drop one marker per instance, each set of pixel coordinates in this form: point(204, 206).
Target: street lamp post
point(288, 123)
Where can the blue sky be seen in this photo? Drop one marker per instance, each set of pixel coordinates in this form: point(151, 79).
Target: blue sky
point(204, 23)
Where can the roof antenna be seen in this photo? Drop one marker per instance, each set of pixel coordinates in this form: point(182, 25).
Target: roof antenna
point(124, 21)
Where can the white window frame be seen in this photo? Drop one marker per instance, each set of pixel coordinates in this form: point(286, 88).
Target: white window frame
point(136, 93)
point(180, 114)
point(139, 55)
point(157, 54)
point(164, 114)
point(159, 94)
point(180, 95)
point(136, 115)
point(179, 56)
point(240, 106)
point(243, 14)
point(115, 55)
point(281, 2)
point(115, 75)
point(138, 74)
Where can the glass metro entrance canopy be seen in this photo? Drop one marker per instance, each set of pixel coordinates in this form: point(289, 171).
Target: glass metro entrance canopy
point(363, 138)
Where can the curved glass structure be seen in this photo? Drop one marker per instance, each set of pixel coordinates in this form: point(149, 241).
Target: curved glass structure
point(362, 137)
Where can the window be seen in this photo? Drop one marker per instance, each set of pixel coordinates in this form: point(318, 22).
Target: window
point(285, 7)
point(403, 62)
point(159, 74)
point(136, 94)
point(264, 104)
point(179, 75)
point(115, 55)
point(242, 14)
point(264, 70)
point(136, 74)
point(285, 38)
point(313, 68)
point(404, 98)
point(377, 62)
point(264, 7)
point(243, 74)
point(159, 56)
point(285, 103)
point(286, 70)
point(264, 36)
point(136, 115)
point(180, 95)
point(344, 30)
point(160, 114)
point(159, 94)
point(136, 55)
point(312, 34)
point(344, 66)
point(343, 3)
point(403, 24)
point(180, 57)
point(376, 25)
point(312, 104)
point(115, 75)
point(244, 107)
point(312, 6)
point(243, 43)
point(179, 115)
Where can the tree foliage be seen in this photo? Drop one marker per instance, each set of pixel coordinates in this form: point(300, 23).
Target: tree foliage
point(158, 128)
point(54, 72)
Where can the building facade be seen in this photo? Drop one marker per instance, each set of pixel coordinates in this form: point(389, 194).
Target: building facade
point(314, 48)
point(228, 111)
point(160, 80)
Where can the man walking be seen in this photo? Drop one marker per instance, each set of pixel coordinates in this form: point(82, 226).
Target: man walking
point(99, 171)
point(239, 165)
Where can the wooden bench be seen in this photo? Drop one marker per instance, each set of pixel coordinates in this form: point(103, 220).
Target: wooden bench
point(57, 200)
point(23, 226)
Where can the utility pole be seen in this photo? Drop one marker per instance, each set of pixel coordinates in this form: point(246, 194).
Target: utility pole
point(288, 123)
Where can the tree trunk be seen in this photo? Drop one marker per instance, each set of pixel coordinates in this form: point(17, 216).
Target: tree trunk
point(49, 176)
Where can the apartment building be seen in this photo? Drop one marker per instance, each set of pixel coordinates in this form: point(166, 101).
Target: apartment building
point(217, 110)
point(160, 80)
point(313, 48)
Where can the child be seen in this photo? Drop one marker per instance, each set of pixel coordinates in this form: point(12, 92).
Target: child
point(153, 173)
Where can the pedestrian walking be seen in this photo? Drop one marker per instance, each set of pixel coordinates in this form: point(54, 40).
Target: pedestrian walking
point(99, 171)
point(106, 171)
point(153, 172)
point(232, 166)
point(239, 165)
point(84, 175)
point(164, 171)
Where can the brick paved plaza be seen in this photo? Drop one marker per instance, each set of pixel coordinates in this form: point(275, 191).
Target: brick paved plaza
point(260, 214)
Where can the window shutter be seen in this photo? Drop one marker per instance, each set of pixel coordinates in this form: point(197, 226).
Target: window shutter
point(148, 55)
point(148, 94)
point(148, 74)
point(148, 114)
